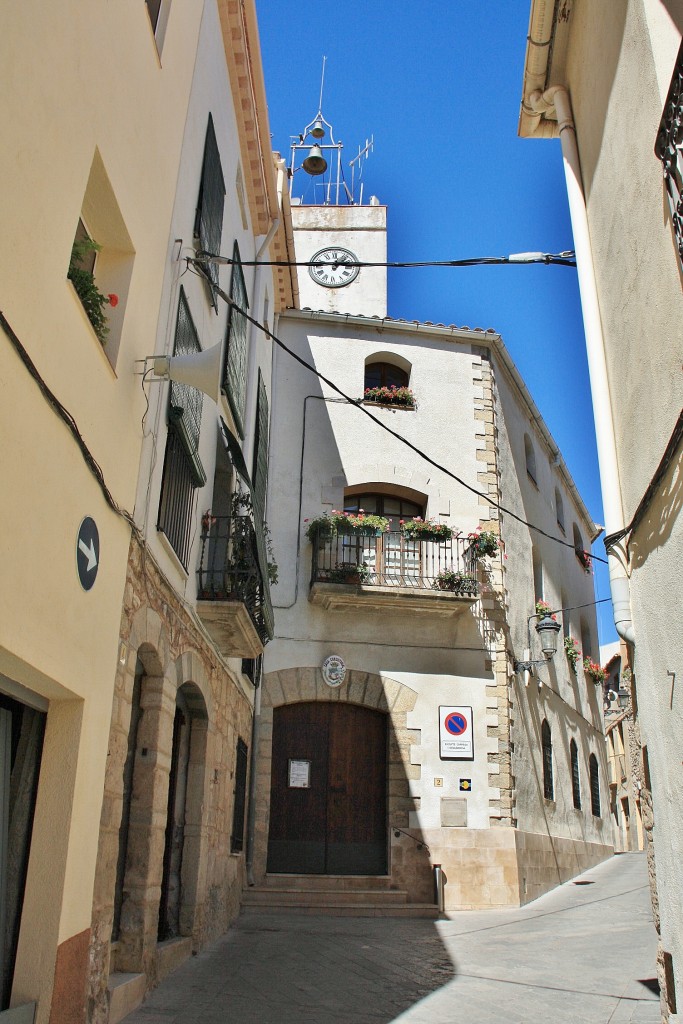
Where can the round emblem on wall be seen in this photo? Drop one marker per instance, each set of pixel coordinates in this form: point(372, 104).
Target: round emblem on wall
point(334, 670)
point(330, 267)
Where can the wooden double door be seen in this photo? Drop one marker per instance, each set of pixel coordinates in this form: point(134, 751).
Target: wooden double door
point(328, 803)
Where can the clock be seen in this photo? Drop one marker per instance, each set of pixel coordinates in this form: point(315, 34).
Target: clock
point(330, 267)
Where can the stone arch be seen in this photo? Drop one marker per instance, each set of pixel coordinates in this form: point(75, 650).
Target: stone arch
point(381, 693)
point(193, 690)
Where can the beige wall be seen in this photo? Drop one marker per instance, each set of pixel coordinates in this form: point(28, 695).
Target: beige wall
point(92, 123)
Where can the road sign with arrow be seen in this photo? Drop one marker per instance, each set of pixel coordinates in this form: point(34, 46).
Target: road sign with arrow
point(88, 552)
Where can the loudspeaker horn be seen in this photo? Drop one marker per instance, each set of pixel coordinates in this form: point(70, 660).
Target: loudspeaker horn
point(201, 371)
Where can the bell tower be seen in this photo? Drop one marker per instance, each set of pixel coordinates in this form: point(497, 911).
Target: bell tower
point(334, 231)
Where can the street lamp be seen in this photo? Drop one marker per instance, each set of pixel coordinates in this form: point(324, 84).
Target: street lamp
point(547, 630)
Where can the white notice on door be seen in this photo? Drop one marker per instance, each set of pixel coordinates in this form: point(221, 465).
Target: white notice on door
point(299, 774)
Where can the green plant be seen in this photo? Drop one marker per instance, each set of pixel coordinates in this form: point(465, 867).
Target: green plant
point(572, 650)
point(425, 529)
point(392, 395)
point(456, 581)
point(346, 572)
point(593, 670)
point(240, 503)
point(344, 522)
point(483, 543)
point(586, 559)
point(92, 299)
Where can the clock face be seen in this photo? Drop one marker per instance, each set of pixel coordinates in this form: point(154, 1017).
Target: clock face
point(330, 267)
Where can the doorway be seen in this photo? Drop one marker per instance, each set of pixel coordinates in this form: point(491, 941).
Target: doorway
point(328, 800)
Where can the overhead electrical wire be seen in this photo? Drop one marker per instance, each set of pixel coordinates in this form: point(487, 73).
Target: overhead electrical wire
point(355, 402)
point(562, 259)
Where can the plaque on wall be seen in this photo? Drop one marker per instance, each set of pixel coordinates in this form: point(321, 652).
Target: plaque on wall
point(299, 774)
point(334, 670)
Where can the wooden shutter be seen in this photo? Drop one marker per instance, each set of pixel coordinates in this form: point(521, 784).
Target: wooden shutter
point(209, 217)
point(235, 376)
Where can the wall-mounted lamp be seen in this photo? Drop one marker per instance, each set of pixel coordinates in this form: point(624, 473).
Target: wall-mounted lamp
point(547, 630)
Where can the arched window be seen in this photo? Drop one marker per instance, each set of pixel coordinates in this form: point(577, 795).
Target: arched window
point(547, 749)
point(576, 779)
point(580, 549)
point(530, 457)
point(595, 785)
point(559, 509)
point(384, 375)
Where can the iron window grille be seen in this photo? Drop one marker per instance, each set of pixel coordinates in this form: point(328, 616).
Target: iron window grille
point(576, 779)
point(595, 785)
point(669, 149)
point(547, 748)
point(183, 471)
point(237, 837)
point(208, 226)
point(235, 372)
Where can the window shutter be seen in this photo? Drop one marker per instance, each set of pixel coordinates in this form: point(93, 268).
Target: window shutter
point(260, 470)
point(235, 376)
point(209, 219)
point(185, 404)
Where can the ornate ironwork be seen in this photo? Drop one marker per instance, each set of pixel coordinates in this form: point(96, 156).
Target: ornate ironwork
point(230, 569)
point(669, 149)
point(392, 560)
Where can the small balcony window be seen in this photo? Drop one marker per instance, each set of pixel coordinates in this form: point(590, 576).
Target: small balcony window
point(208, 226)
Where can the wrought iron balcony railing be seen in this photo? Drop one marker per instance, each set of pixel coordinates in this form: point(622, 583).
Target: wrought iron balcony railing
point(233, 567)
point(392, 560)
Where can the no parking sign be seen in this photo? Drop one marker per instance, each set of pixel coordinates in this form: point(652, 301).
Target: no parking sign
point(456, 742)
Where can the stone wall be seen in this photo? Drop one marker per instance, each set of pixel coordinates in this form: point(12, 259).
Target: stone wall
point(159, 635)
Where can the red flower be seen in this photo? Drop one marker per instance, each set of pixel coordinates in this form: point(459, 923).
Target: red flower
point(113, 299)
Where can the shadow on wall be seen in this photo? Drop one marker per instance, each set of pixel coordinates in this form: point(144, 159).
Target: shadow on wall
point(657, 525)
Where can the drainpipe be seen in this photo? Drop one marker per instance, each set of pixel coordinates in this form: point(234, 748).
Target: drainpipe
point(557, 97)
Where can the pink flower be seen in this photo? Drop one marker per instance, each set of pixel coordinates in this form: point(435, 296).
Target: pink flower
point(113, 299)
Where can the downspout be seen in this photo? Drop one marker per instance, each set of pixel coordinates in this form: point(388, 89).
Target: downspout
point(256, 720)
point(557, 97)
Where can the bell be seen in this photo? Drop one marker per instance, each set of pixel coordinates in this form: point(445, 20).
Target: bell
point(318, 129)
point(315, 162)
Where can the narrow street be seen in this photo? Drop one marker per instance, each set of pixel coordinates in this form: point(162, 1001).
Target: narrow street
point(583, 953)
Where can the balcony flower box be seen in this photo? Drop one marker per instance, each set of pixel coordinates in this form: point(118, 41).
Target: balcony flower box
point(483, 544)
point(349, 573)
point(425, 529)
point(359, 524)
point(594, 671)
point(456, 582)
point(401, 397)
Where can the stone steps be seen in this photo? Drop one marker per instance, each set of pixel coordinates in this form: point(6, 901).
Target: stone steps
point(337, 896)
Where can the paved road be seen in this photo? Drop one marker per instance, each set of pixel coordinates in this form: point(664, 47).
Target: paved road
point(582, 954)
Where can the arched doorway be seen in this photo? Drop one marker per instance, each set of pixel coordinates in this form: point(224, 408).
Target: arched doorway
point(328, 804)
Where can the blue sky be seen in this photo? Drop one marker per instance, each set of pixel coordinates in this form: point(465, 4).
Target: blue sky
point(438, 85)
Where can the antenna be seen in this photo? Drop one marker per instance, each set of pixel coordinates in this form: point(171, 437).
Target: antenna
point(322, 83)
point(363, 154)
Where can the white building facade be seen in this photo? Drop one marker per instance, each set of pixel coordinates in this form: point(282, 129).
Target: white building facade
point(432, 750)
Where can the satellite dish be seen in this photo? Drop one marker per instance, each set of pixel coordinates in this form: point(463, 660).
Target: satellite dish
point(201, 370)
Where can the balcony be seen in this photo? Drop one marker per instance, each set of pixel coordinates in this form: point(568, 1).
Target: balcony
point(233, 592)
point(390, 571)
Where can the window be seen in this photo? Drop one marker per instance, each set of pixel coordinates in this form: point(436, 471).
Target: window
point(384, 375)
point(576, 780)
point(260, 468)
point(208, 226)
point(559, 509)
point(530, 458)
point(586, 644)
point(392, 553)
point(547, 752)
point(106, 260)
point(595, 785)
point(183, 470)
point(237, 837)
point(669, 149)
point(235, 372)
